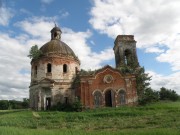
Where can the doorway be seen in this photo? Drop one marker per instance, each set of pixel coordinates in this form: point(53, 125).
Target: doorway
point(108, 98)
point(48, 103)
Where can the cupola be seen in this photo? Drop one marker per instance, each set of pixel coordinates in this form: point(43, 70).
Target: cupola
point(56, 33)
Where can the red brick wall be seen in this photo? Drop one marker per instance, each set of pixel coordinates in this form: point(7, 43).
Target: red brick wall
point(89, 84)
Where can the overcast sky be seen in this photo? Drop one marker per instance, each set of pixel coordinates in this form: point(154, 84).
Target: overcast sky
point(89, 27)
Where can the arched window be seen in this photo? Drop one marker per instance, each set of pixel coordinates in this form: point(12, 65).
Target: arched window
point(65, 68)
point(97, 99)
point(122, 96)
point(49, 68)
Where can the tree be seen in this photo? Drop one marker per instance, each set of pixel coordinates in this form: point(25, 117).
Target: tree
point(25, 103)
point(142, 81)
point(15, 104)
point(149, 96)
point(4, 104)
point(34, 52)
point(142, 78)
point(168, 94)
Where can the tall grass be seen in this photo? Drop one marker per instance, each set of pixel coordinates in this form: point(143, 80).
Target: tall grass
point(22, 131)
point(159, 118)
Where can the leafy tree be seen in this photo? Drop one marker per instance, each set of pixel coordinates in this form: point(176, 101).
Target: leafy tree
point(168, 94)
point(149, 96)
point(142, 81)
point(15, 104)
point(142, 78)
point(25, 103)
point(34, 52)
point(4, 104)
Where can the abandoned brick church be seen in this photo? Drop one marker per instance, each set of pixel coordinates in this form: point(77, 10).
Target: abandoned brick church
point(56, 76)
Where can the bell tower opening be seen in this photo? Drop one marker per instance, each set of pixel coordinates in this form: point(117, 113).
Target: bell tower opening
point(127, 57)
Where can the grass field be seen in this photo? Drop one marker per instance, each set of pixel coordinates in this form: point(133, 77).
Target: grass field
point(162, 118)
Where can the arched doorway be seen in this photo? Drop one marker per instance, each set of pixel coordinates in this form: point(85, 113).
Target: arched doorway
point(108, 98)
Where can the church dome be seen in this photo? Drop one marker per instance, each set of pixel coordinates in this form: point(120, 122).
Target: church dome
point(57, 47)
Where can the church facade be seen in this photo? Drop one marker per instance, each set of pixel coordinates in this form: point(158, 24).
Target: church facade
point(56, 76)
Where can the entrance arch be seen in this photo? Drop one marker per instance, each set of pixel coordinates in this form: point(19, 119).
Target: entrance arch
point(109, 98)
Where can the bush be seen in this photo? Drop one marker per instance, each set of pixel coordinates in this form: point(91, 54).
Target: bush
point(76, 106)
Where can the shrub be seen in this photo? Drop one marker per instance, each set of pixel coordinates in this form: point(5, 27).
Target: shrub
point(76, 106)
point(34, 52)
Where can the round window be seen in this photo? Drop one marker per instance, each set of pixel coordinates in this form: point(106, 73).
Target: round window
point(108, 78)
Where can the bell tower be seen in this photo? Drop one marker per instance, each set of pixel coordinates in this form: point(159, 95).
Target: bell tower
point(125, 51)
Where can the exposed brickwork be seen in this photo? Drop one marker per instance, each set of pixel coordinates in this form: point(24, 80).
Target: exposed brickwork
point(97, 82)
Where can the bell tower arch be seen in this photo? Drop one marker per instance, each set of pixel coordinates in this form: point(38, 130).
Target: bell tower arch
point(125, 51)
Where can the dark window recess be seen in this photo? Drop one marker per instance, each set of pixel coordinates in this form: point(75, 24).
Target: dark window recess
point(35, 70)
point(48, 103)
point(66, 100)
point(76, 70)
point(49, 68)
point(64, 68)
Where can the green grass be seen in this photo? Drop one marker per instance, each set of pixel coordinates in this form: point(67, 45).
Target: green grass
point(162, 118)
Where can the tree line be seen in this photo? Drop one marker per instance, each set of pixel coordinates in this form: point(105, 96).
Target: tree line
point(151, 95)
point(13, 104)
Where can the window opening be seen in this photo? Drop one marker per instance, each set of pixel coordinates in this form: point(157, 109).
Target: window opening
point(49, 68)
point(66, 100)
point(35, 70)
point(64, 68)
